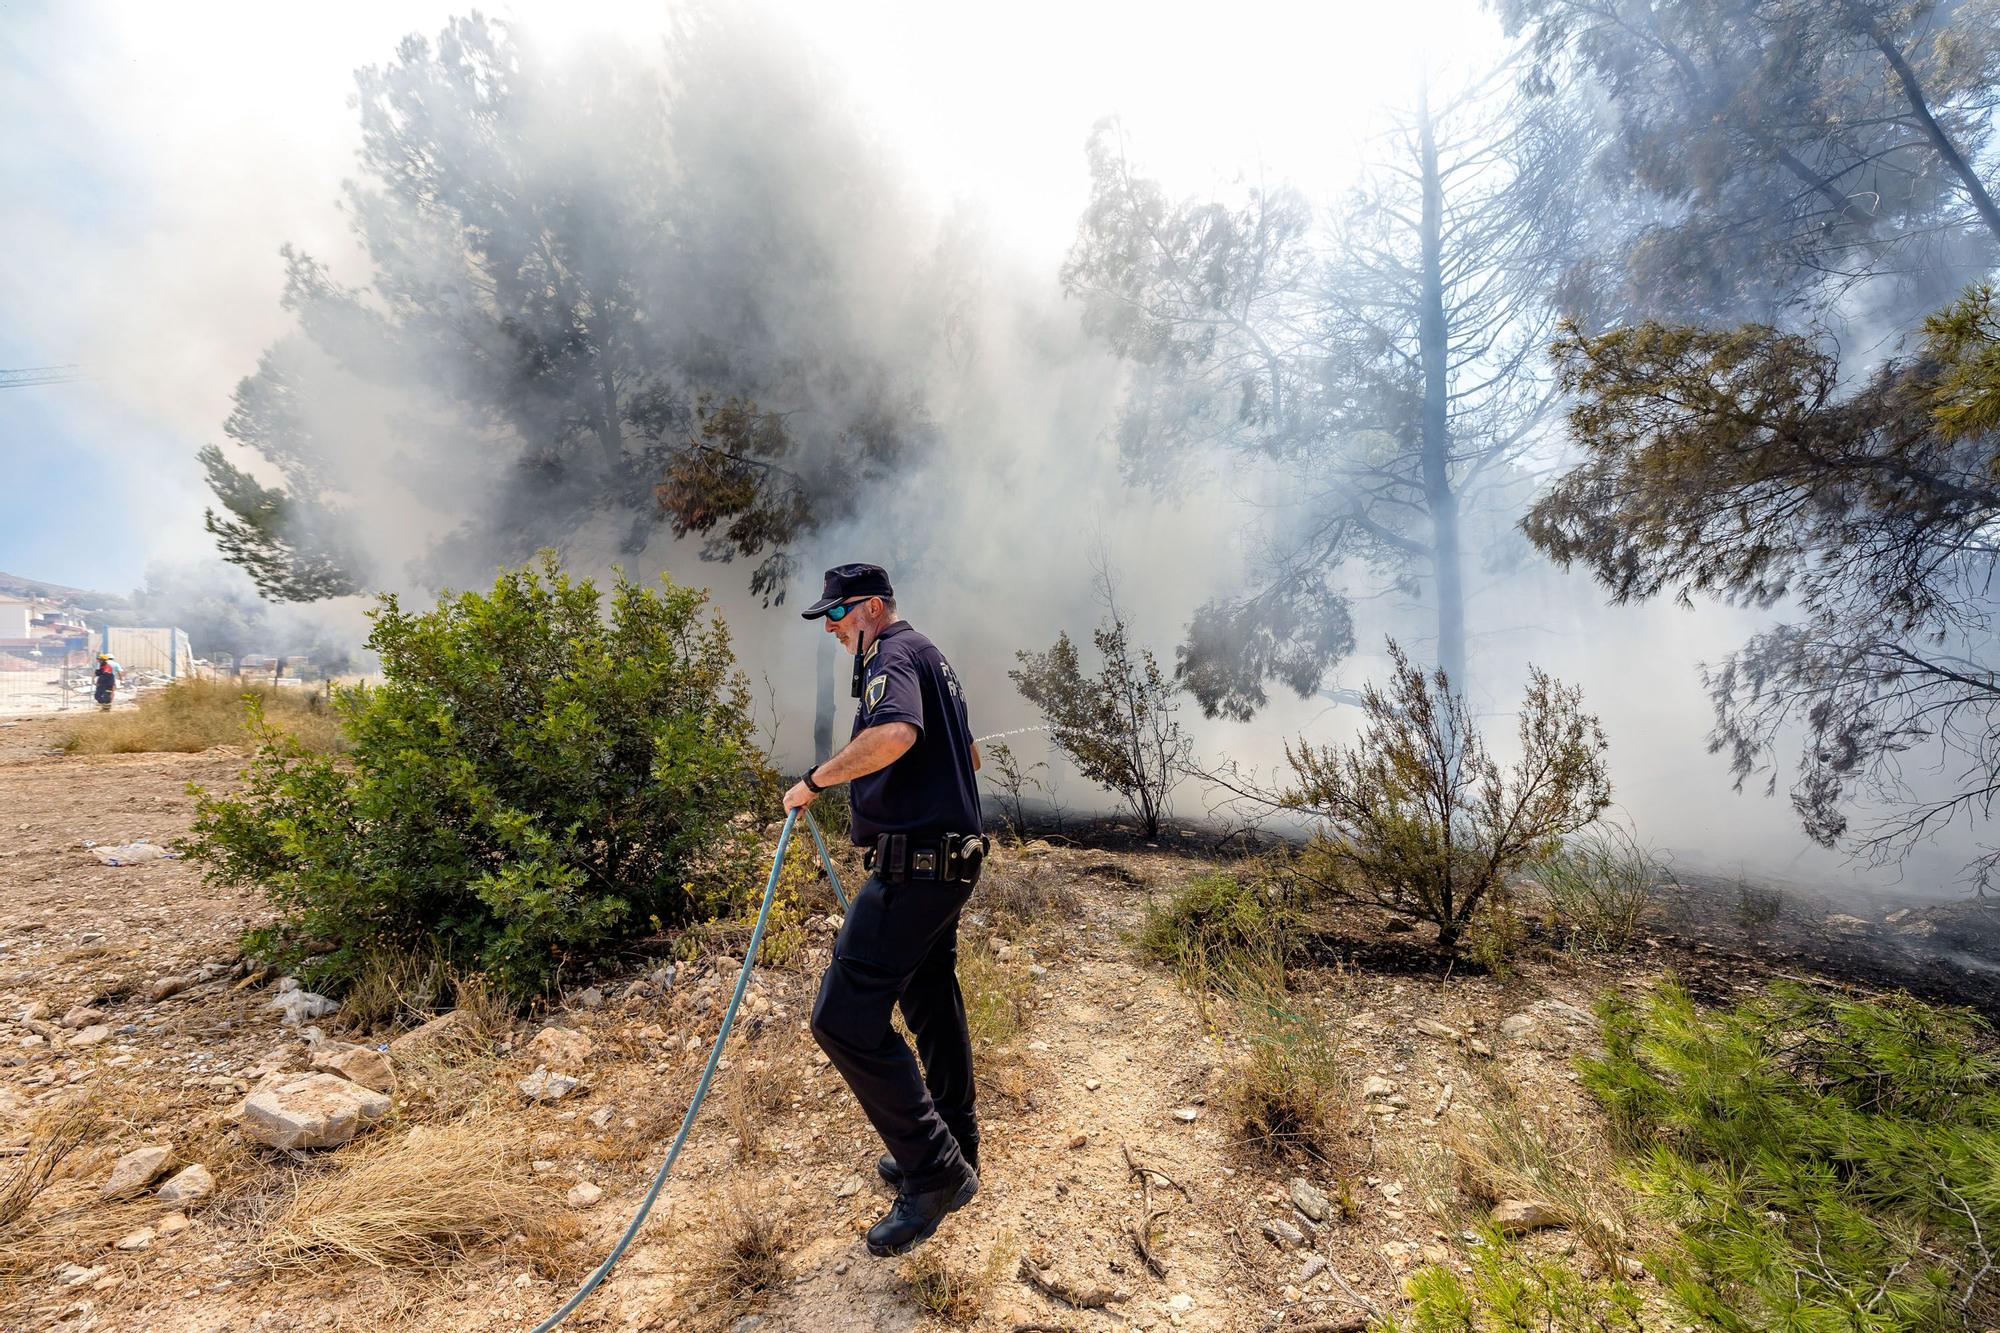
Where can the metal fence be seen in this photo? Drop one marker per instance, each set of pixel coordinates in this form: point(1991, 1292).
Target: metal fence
point(62, 676)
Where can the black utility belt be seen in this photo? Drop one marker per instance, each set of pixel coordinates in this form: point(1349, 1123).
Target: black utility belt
point(954, 858)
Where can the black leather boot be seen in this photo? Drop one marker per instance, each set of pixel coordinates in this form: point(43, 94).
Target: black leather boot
point(913, 1217)
point(892, 1174)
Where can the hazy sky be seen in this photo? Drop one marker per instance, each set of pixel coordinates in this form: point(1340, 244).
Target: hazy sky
point(156, 157)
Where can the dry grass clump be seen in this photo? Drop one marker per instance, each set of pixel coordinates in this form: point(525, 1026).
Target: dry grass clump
point(1290, 1099)
point(191, 715)
point(998, 999)
point(1501, 1153)
point(1023, 895)
point(1758, 905)
point(739, 1271)
point(394, 987)
point(416, 1201)
point(1597, 887)
point(761, 1087)
point(951, 1291)
point(49, 1213)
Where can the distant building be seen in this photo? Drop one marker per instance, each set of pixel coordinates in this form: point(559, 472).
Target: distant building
point(15, 615)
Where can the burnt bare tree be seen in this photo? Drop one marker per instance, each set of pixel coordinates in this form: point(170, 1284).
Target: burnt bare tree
point(1733, 464)
point(1777, 151)
point(1378, 364)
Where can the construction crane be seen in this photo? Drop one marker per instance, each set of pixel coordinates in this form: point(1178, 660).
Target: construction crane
point(31, 375)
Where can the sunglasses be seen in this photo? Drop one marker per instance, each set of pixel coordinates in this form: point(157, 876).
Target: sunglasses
point(840, 612)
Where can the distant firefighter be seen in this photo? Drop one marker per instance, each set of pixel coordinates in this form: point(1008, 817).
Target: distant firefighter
point(109, 674)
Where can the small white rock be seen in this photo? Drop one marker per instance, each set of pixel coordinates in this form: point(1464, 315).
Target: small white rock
point(191, 1184)
point(1309, 1200)
point(543, 1086)
point(584, 1195)
point(561, 1046)
point(300, 1005)
point(313, 1110)
point(134, 1171)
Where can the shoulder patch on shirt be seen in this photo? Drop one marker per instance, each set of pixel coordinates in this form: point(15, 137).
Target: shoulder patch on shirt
point(875, 689)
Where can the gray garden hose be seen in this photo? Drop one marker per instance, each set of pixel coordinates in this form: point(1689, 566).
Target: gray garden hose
point(603, 1270)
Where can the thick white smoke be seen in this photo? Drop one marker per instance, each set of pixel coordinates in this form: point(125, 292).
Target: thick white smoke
point(988, 532)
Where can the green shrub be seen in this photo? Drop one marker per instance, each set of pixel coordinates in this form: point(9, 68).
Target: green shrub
point(1119, 727)
point(1415, 816)
point(1509, 1291)
point(531, 783)
point(1828, 1163)
point(1217, 927)
point(1597, 887)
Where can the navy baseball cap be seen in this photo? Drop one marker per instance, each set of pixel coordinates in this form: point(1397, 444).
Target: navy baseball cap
point(845, 581)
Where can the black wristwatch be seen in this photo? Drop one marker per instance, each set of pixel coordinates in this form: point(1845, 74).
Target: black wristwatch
point(812, 786)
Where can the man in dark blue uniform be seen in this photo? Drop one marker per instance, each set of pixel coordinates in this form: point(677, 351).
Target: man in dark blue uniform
point(910, 764)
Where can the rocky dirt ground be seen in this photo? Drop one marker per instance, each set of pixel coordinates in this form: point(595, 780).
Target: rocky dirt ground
point(122, 988)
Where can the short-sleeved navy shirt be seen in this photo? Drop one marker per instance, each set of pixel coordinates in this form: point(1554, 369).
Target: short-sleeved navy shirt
point(931, 788)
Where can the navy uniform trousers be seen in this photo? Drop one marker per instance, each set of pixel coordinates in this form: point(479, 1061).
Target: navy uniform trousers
point(900, 946)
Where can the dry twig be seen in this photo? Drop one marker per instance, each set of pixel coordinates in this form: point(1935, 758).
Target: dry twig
point(1138, 1167)
point(1054, 1287)
point(1139, 1233)
point(20, 1190)
point(1142, 1232)
point(1368, 1307)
